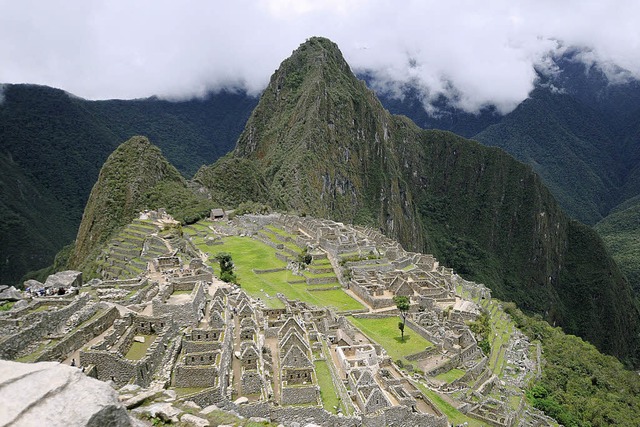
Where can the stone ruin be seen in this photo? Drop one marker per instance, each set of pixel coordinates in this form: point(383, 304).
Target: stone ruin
point(176, 326)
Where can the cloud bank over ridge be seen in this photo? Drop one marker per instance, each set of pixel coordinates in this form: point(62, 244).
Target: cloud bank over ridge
point(474, 53)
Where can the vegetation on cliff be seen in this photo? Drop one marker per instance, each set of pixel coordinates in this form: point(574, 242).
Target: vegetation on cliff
point(620, 231)
point(325, 146)
point(579, 385)
point(135, 177)
point(52, 146)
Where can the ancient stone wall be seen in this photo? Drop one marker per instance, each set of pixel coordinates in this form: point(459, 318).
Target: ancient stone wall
point(189, 346)
point(77, 339)
point(402, 416)
point(251, 382)
point(200, 277)
point(199, 359)
point(195, 376)
point(186, 314)
point(423, 354)
point(112, 365)
point(371, 301)
point(48, 322)
point(320, 280)
point(290, 415)
point(422, 331)
point(299, 395)
point(144, 294)
point(209, 396)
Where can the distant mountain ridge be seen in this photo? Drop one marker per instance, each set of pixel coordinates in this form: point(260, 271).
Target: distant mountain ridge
point(55, 144)
point(580, 131)
point(577, 129)
point(383, 172)
point(322, 143)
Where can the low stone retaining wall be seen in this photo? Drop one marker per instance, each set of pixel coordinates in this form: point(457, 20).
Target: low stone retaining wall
point(74, 341)
point(47, 322)
point(269, 270)
point(320, 280)
point(423, 354)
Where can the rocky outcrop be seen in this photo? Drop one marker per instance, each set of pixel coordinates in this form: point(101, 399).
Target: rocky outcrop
point(52, 394)
point(10, 294)
point(64, 279)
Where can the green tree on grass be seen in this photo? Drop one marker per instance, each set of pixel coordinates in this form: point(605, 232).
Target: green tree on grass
point(226, 267)
point(403, 304)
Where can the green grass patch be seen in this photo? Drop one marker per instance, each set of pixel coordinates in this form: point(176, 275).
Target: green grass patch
point(6, 306)
point(328, 392)
point(138, 349)
point(455, 416)
point(249, 254)
point(451, 376)
point(385, 332)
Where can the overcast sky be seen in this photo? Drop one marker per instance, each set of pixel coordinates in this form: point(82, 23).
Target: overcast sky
point(478, 51)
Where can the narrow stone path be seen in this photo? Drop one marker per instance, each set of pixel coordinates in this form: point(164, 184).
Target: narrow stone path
point(235, 362)
point(272, 344)
point(76, 354)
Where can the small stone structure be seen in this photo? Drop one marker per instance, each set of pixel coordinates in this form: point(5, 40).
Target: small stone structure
point(109, 357)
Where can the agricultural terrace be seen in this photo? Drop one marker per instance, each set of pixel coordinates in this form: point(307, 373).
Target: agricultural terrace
point(250, 256)
point(385, 332)
point(454, 415)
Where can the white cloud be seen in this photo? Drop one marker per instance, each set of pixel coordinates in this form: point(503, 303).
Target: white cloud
point(475, 53)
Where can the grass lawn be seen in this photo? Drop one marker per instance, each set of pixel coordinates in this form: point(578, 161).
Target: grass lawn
point(138, 349)
point(249, 254)
point(327, 390)
point(451, 376)
point(6, 306)
point(385, 332)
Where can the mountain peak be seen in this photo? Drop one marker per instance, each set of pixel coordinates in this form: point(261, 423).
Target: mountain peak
point(131, 170)
point(316, 52)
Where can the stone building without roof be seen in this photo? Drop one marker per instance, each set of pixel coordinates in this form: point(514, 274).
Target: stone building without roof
point(297, 373)
point(109, 357)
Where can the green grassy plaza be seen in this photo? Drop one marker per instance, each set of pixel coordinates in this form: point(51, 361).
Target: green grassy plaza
point(250, 254)
point(385, 332)
point(451, 375)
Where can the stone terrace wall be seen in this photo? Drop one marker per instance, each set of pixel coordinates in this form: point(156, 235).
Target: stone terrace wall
point(422, 332)
point(78, 338)
point(111, 364)
point(48, 322)
point(195, 376)
point(299, 395)
point(402, 416)
point(397, 416)
point(290, 415)
point(372, 302)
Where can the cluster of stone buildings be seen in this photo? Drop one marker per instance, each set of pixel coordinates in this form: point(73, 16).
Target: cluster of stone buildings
point(176, 326)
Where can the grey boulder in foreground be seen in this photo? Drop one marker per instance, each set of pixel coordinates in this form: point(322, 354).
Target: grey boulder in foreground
point(52, 394)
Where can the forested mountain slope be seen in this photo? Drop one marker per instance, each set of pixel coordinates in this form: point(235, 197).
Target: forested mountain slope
point(323, 144)
point(55, 144)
